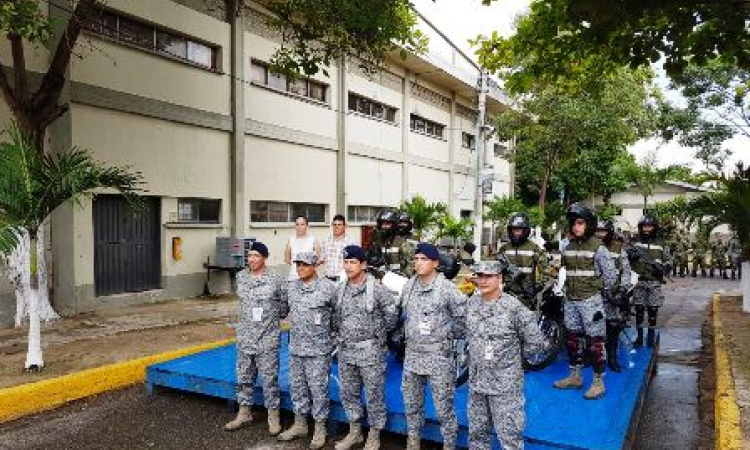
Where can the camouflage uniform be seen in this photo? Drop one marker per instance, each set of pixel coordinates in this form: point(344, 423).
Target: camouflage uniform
point(363, 315)
point(435, 316)
point(699, 259)
point(734, 249)
point(720, 259)
point(647, 294)
point(394, 251)
point(682, 256)
point(498, 332)
point(616, 251)
point(310, 345)
point(531, 261)
point(262, 305)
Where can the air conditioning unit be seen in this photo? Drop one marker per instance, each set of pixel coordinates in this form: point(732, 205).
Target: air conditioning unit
point(232, 252)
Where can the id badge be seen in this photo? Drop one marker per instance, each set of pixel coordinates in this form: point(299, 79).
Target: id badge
point(489, 353)
point(424, 328)
point(318, 319)
point(257, 314)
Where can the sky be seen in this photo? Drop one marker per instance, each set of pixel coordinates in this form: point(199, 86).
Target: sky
point(462, 20)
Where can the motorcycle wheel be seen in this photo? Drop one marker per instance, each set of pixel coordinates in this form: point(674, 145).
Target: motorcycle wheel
point(553, 331)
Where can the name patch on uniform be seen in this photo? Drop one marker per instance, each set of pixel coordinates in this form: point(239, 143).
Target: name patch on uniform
point(257, 314)
point(489, 353)
point(318, 319)
point(424, 328)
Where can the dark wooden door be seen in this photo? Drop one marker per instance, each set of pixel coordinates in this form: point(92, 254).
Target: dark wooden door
point(126, 246)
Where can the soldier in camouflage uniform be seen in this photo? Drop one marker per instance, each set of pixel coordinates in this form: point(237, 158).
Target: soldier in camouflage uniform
point(435, 314)
point(590, 278)
point(311, 341)
point(699, 258)
point(605, 231)
point(684, 249)
point(391, 248)
point(499, 329)
point(651, 260)
point(365, 311)
point(263, 304)
point(734, 250)
point(529, 259)
point(678, 247)
point(720, 259)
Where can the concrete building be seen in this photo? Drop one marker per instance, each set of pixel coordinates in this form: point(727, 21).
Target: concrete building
point(183, 95)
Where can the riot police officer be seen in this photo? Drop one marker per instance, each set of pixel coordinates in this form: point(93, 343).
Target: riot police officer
point(651, 260)
point(390, 248)
point(527, 257)
point(590, 278)
point(614, 307)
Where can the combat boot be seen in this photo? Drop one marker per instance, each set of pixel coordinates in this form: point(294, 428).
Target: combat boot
point(413, 442)
point(353, 438)
point(298, 429)
point(373, 439)
point(274, 424)
point(638, 342)
point(244, 416)
point(596, 390)
point(651, 337)
point(574, 380)
point(319, 436)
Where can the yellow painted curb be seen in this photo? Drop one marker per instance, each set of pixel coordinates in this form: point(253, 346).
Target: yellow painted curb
point(726, 409)
point(31, 398)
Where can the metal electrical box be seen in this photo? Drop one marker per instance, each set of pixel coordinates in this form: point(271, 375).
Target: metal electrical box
point(232, 252)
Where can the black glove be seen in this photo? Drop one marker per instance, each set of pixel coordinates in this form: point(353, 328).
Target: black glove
point(608, 296)
point(633, 254)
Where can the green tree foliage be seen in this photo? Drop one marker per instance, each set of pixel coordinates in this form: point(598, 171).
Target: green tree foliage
point(449, 226)
point(499, 209)
point(569, 39)
point(728, 204)
point(317, 32)
point(647, 175)
point(571, 140)
point(424, 215)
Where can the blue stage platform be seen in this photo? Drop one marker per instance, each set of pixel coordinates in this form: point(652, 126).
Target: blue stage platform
point(554, 419)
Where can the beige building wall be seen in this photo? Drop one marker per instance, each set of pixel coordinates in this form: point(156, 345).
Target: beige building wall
point(173, 122)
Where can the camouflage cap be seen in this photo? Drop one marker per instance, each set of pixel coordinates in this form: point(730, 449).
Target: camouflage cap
point(309, 258)
point(488, 267)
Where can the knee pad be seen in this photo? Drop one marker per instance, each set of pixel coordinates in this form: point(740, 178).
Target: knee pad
point(598, 354)
point(575, 349)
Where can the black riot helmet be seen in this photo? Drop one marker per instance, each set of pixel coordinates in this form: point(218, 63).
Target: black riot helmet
point(448, 265)
point(387, 216)
point(609, 227)
point(581, 211)
point(404, 224)
point(648, 220)
point(519, 220)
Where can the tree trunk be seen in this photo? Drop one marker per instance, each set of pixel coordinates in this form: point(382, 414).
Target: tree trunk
point(46, 312)
point(34, 359)
point(543, 191)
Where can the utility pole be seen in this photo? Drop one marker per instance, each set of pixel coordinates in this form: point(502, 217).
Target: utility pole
point(483, 88)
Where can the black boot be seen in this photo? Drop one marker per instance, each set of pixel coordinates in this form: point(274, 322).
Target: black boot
point(638, 342)
point(651, 337)
point(613, 337)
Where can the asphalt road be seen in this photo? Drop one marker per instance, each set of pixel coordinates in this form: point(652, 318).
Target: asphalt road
point(129, 419)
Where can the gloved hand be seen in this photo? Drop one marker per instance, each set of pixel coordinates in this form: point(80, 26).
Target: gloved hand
point(633, 254)
point(608, 296)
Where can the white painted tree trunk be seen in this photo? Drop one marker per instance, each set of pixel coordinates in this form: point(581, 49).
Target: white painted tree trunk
point(34, 359)
point(46, 313)
point(746, 286)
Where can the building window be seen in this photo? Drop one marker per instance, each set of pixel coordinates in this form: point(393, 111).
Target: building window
point(466, 213)
point(371, 108)
point(143, 35)
point(468, 141)
point(198, 210)
point(428, 127)
point(262, 74)
point(364, 214)
point(500, 150)
point(283, 212)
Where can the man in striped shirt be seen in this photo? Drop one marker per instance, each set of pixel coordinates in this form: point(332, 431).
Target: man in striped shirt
point(333, 248)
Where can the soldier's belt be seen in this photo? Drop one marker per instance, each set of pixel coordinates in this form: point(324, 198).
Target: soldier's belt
point(427, 348)
point(361, 345)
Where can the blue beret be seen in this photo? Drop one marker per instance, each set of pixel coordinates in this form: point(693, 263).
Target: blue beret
point(428, 250)
point(354, 252)
point(260, 248)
